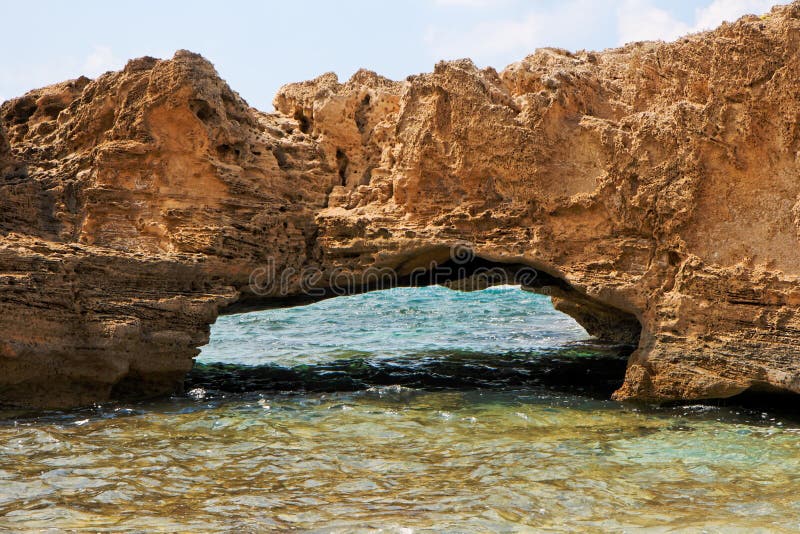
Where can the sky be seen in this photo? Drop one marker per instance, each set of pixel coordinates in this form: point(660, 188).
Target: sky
point(257, 46)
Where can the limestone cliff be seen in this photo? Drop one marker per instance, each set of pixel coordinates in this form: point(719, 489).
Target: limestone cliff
point(655, 188)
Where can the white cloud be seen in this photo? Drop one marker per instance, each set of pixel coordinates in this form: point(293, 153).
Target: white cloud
point(99, 61)
point(639, 20)
point(712, 16)
point(500, 41)
point(468, 3)
point(573, 24)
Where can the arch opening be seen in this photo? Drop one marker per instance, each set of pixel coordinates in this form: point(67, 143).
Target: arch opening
point(430, 338)
point(450, 287)
point(456, 268)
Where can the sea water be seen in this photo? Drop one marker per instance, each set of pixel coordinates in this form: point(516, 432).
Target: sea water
point(406, 410)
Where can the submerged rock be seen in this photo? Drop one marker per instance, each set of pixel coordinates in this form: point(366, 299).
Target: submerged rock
point(653, 188)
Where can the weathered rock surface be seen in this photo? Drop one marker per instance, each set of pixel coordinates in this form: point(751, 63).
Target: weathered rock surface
point(654, 187)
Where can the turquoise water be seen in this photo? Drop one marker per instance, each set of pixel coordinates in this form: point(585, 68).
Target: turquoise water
point(411, 410)
point(394, 323)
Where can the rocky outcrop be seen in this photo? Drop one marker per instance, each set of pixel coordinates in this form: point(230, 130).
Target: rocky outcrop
point(655, 189)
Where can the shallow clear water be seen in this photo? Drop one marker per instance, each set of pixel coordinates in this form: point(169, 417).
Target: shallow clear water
point(487, 432)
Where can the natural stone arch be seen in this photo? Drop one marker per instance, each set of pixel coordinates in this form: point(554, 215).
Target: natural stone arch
point(455, 266)
point(459, 269)
point(658, 179)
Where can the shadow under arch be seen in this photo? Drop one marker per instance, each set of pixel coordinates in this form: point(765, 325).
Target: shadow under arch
point(591, 369)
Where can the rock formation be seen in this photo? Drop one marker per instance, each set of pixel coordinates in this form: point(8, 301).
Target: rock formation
point(655, 188)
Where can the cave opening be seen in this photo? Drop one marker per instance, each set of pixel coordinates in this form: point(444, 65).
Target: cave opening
point(455, 322)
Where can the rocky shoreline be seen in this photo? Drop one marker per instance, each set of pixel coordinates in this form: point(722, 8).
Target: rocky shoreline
point(653, 189)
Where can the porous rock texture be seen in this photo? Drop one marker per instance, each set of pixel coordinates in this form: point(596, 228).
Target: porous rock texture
point(654, 187)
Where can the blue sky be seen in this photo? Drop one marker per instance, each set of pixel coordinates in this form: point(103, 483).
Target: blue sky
point(259, 46)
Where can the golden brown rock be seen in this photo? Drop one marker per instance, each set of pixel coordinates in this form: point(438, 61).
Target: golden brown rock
point(654, 187)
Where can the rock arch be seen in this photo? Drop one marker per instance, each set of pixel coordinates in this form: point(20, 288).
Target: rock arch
point(656, 181)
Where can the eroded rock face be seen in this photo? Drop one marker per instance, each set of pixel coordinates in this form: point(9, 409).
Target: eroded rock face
point(655, 187)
